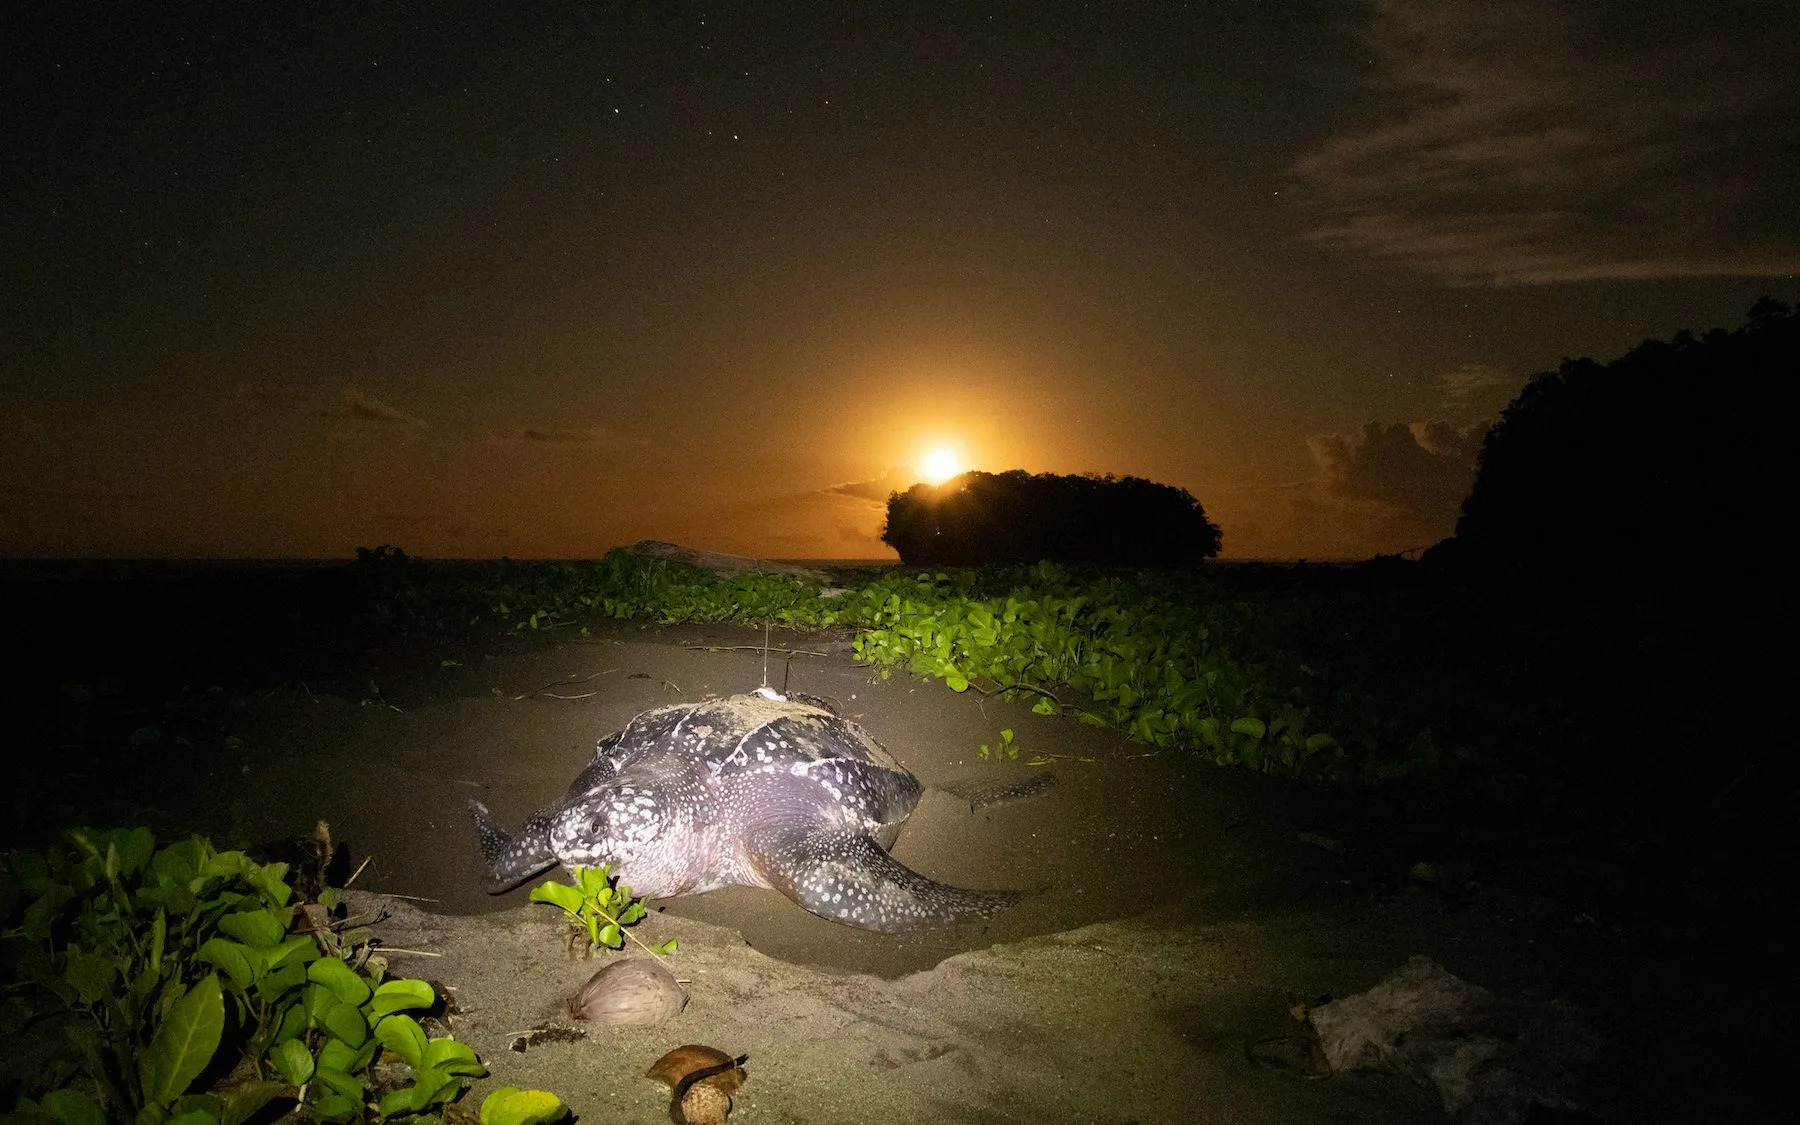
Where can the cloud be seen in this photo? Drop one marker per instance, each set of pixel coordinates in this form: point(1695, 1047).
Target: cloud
point(364, 410)
point(897, 479)
point(1478, 387)
point(599, 437)
point(1536, 141)
point(1421, 467)
point(1392, 486)
point(349, 405)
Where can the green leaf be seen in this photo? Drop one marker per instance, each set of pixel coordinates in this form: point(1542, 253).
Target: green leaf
point(292, 1061)
point(342, 981)
point(279, 982)
point(268, 881)
point(174, 865)
point(453, 1055)
point(246, 1100)
point(1253, 727)
point(558, 894)
point(339, 1082)
point(41, 915)
point(136, 846)
point(316, 999)
point(184, 1043)
point(402, 1035)
point(197, 1109)
point(90, 974)
point(226, 865)
point(159, 939)
point(291, 1021)
point(401, 995)
point(407, 1099)
point(593, 881)
point(665, 948)
point(336, 1107)
point(232, 958)
point(510, 1105)
point(72, 1107)
point(254, 927)
point(27, 1112)
point(298, 949)
point(346, 1022)
point(435, 1086)
point(335, 1054)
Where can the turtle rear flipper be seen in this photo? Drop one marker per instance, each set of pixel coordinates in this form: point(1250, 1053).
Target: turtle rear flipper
point(984, 797)
point(512, 859)
point(849, 879)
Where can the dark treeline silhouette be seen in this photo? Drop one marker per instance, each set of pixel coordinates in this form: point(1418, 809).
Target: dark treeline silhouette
point(1665, 464)
point(1016, 517)
point(1626, 540)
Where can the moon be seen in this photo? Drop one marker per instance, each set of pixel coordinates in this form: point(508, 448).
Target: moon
point(940, 465)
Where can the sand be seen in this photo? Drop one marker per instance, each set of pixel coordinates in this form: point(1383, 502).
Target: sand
point(1181, 909)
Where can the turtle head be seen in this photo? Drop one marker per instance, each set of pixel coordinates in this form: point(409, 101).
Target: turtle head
point(610, 823)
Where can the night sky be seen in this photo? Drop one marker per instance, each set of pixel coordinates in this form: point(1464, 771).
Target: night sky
point(541, 279)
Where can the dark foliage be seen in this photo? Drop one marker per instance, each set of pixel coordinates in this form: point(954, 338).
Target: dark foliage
point(1639, 472)
point(1626, 527)
point(1015, 517)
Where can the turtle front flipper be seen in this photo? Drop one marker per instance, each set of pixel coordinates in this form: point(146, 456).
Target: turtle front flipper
point(512, 859)
point(850, 879)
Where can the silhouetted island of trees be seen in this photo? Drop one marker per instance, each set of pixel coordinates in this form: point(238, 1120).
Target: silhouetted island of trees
point(1017, 517)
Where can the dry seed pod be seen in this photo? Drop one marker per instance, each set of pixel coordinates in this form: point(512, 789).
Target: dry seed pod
point(634, 991)
point(701, 1105)
point(700, 1080)
point(707, 1065)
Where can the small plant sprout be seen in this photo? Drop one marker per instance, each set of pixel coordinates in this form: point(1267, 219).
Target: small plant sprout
point(1004, 748)
point(598, 910)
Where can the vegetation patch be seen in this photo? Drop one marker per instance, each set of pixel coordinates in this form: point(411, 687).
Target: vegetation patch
point(1155, 656)
point(186, 984)
point(599, 910)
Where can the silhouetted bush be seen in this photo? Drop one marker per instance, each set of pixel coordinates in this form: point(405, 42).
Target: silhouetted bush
point(1626, 530)
point(1665, 463)
point(1015, 517)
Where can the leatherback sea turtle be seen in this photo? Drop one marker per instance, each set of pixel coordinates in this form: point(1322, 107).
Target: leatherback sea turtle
point(758, 790)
